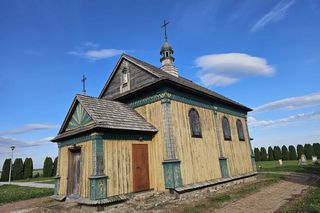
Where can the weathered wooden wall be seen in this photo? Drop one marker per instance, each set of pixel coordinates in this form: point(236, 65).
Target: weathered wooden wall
point(86, 162)
point(237, 152)
point(153, 113)
point(137, 77)
point(199, 156)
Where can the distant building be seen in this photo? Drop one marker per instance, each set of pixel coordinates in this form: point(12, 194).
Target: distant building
point(150, 129)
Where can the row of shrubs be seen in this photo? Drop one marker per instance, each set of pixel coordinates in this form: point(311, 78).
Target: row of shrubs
point(284, 153)
point(24, 170)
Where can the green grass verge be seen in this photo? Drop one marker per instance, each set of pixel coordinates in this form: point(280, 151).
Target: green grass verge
point(309, 203)
point(288, 166)
point(38, 179)
point(11, 193)
point(216, 201)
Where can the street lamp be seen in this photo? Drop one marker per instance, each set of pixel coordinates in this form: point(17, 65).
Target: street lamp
point(12, 148)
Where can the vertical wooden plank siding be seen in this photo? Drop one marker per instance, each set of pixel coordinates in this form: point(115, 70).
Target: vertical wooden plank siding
point(199, 156)
point(86, 159)
point(118, 165)
point(237, 152)
point(153, 113)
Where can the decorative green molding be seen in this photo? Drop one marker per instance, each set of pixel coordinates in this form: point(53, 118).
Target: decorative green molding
point(56, 184)
point(172, 174)
point(108, 136)
point(169, 93)
point(224, 167)
point(75, 140)
point(98, 187)
point(79, 118)
point(98, 181)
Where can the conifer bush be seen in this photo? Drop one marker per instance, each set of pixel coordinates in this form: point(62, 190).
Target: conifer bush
point(17, 169)
point(47, 167)
point(55, 165)
point(285, 153)
point(292, 153)
point(300, 150)
point(270, 154)
point(257, 154)
point(263, 154)
point(27, 168)
point(5, 170)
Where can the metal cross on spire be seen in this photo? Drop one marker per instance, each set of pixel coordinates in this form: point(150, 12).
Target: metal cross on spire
point(83, 84)
point(165, 23)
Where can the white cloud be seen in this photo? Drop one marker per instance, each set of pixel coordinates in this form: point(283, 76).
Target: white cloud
point(28, 128)
point(90, 51)
point(228, 68)
point(293, 119)
point(6, 142)
point(312, 99)
point(277, 13)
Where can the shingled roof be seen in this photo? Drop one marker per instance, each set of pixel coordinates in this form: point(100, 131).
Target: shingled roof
point(106, 114)
point(177, 80)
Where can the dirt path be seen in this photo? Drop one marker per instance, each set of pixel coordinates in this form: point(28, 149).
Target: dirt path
point(272, 198)
point(24, 204)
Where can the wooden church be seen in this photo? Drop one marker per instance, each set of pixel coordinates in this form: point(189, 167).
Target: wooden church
point(150, 129)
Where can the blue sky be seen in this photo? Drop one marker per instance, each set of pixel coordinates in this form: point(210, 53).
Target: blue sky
point(264, 54)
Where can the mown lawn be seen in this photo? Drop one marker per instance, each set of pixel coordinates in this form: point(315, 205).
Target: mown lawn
point(37, 179)
point(216, 201)
point(288, 166)
point(11, 193)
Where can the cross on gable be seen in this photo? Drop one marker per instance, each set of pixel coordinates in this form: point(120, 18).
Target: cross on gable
point(83, 84)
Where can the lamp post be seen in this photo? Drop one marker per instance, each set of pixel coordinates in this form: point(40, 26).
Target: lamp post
point(12, 148)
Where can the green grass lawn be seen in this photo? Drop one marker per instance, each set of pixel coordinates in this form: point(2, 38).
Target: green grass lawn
point(288, 166)
point(38, 179)
point(11, 193)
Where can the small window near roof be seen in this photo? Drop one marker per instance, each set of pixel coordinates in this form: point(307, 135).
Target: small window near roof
point(194, 121)
point(240, 130)
point(226, 128)
point(125, 81)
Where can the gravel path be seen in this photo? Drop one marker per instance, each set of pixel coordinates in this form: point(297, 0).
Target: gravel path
point(271, 198)
point(31, 184)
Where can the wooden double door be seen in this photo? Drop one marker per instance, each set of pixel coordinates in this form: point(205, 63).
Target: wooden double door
point(140, 167)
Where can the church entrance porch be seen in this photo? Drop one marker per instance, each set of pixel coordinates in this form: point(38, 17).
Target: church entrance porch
point(140, 167)
point(74, 173)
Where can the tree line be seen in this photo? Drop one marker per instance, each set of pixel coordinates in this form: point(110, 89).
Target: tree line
point(284, 153)
point(24, 170)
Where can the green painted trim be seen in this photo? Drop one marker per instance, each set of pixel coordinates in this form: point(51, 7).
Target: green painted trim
point(56, 184)
point(79, 118)
point(172, 174)
point(75, 140)
point(107, 136)
point(224, 167)
point(171, 94)
point(98, 187)
point(127, 136)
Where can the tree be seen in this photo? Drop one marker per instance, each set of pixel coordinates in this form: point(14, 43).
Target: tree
point(27, 168)
point(270, 153)
point(316, 147)
point(47, 167)
point(308, 151)
point(263, 154)
point(300, 150)
point(277, 153)
point(55, 166)
point(285, 153)
point(5, 170)
point(257, 154)
point(17, 169)
point(292, 153)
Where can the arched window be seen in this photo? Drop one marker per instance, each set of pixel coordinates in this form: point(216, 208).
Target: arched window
point(226, 128)
point(240, 130)
point(125, 80)
point(194, 121)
